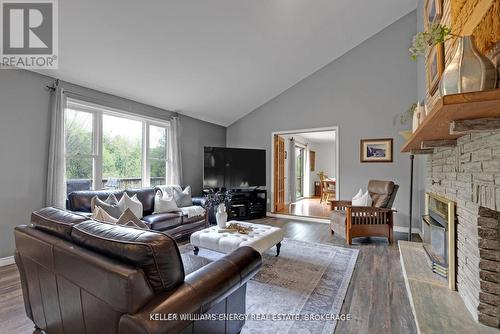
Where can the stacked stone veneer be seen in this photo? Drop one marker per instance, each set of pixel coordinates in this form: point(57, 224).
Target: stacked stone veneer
point(470, 176)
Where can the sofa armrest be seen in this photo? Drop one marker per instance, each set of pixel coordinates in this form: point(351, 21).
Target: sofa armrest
point(340, 205)
point(200, 201)
point(200, 291)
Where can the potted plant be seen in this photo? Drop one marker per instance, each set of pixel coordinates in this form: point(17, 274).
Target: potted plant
point(405, 118)
point(436, 34)
point(220, 200)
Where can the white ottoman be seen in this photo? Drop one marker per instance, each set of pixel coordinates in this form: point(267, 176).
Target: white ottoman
point(261, 238)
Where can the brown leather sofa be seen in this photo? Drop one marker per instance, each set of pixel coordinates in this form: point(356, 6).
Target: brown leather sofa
point(82, 276)
point(361, 221)
point(175, 224)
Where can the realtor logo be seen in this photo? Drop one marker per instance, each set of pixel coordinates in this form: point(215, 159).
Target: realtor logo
point(28, 37)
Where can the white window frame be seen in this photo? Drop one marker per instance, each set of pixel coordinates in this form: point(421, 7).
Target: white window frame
point(98, 111)
point(146, 171)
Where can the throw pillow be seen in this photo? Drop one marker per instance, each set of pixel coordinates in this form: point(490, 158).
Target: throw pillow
point(110, 205)
point(364, 200)
point(128, 218)
point(100, 215)
point(183, 198)
point(164, 202)
point(132, 203)
point(358, 195)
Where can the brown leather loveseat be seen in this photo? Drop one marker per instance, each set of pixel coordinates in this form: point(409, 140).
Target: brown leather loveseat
point(83, 276)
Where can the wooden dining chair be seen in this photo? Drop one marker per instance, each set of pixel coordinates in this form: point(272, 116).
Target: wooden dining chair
point(329, 190)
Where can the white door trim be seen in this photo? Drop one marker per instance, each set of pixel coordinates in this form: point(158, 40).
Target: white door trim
point(298, 131)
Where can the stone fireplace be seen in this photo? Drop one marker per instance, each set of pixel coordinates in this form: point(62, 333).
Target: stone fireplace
point(469, 174)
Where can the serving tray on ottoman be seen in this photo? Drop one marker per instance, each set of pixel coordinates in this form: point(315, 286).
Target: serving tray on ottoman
point(261, 238)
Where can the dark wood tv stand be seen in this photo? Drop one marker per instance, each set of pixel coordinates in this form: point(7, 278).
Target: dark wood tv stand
point(246, 203)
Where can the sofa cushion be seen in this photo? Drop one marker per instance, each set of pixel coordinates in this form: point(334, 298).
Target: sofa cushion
point(81, 200)
point(146, 196)
point(110, 205)
point(183, 197)
point(380, 192)
point(132, 203)
point(163, 221)
point(100, 215)
point(128, 218)
point(154, 252)
point(164, 202)
point(56, 221)
point(187, 220)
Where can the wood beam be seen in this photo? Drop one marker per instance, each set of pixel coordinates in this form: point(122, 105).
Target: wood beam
point(474, 125)
point(467, 27)
point(438, 143)
point(422, 151)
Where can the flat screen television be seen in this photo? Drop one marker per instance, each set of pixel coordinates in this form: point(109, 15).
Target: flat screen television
point(226, 167)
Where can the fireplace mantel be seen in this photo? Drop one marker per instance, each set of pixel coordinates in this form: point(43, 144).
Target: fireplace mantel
point(449, 108)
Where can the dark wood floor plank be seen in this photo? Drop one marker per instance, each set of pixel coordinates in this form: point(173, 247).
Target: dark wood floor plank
point(376, 297)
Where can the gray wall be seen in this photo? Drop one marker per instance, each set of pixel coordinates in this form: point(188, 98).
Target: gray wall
point(363, 92)
point(24, 137)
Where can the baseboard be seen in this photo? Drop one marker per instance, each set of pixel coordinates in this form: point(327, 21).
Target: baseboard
point(327, 221)
point(302, 218)
point(5, 261)
point(404, 229)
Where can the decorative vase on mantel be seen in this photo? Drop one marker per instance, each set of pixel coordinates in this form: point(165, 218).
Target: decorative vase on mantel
point(221, 216)
point(468, 70)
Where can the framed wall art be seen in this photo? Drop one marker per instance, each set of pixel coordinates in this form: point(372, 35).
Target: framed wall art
point(434, 67)
point(433, 11)
point(376, 150)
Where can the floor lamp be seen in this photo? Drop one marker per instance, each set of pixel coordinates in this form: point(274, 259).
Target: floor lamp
point(412, 158)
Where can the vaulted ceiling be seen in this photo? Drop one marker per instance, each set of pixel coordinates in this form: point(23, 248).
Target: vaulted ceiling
point(215, 60)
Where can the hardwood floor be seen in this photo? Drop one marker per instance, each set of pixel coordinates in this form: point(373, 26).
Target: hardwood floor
point(309, 207)
point(376, 298)
point(13, 318)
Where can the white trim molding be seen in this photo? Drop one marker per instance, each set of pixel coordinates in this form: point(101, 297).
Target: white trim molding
point(297, 132)
point(5, 261)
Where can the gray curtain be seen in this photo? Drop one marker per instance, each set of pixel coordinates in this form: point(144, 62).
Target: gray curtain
point(292, 179)
point(174, 167)
point(56, 174)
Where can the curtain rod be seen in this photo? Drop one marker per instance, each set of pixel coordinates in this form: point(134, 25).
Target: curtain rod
point(57, 82)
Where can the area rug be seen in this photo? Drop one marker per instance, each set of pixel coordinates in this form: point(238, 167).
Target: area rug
point(307, 280)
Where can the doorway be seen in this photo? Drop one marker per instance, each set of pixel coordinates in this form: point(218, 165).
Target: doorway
point(305, 172)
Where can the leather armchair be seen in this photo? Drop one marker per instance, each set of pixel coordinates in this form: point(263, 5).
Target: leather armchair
point(78, 276)
point(360, 221)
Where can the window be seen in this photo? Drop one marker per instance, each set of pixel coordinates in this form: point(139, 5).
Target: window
point(121, 152)
point(157, 155)
point(80, 150)
point(108, 149)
